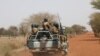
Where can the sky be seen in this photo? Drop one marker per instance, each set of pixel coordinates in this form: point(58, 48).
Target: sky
point(13, 12)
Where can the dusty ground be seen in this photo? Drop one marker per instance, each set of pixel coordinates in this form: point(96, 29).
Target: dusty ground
point(84, 45)
point(81, 45)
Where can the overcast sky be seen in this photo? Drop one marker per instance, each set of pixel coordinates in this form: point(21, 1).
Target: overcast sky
point(12, 12)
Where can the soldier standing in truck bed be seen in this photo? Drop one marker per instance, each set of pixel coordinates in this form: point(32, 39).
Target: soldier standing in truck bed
point(46, 24)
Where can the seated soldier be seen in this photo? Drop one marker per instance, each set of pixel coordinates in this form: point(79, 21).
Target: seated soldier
point(34, 28)
point(63, 38)
point(63, 41)
point(46, 24)
point(55, 28)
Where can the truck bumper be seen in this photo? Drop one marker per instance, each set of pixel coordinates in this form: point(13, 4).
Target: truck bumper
point(44, 50)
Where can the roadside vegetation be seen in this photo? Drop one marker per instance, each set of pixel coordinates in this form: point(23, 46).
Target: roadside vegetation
point(8, 45)
point(95, 18)
point(25, 27)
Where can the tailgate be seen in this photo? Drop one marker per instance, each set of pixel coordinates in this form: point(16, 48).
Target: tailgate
point(43, 44)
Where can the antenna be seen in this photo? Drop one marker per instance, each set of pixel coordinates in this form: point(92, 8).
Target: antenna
point(60, 26)
point(59, 20)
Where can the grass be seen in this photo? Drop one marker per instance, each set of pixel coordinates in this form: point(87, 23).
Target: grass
point(7, 45)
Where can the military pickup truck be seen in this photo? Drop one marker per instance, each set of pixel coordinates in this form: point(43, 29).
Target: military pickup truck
point(46, 41)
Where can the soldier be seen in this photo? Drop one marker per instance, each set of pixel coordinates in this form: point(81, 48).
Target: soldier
point(63, 38)
point(34, 28)
point(63, 41)
point(46, 24)
point(55, 28)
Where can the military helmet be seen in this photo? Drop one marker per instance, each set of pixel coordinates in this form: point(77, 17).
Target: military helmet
point(34, 25)
point(45, 19)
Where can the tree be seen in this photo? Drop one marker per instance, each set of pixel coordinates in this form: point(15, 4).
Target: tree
point(96, 4)
point(95, 23)
point(95, 18)
point(25, 26)
point(23, 30)
point(69, 30)
point(13, 31)
point(38, 18)
point(2, 31)
point(78, 29)
point(74, 30)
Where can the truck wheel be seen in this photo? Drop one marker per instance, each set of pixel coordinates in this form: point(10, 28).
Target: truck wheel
point(64, 53)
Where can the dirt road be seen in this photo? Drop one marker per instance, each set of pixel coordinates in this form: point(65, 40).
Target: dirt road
point(84, 45)
point(81, 45)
